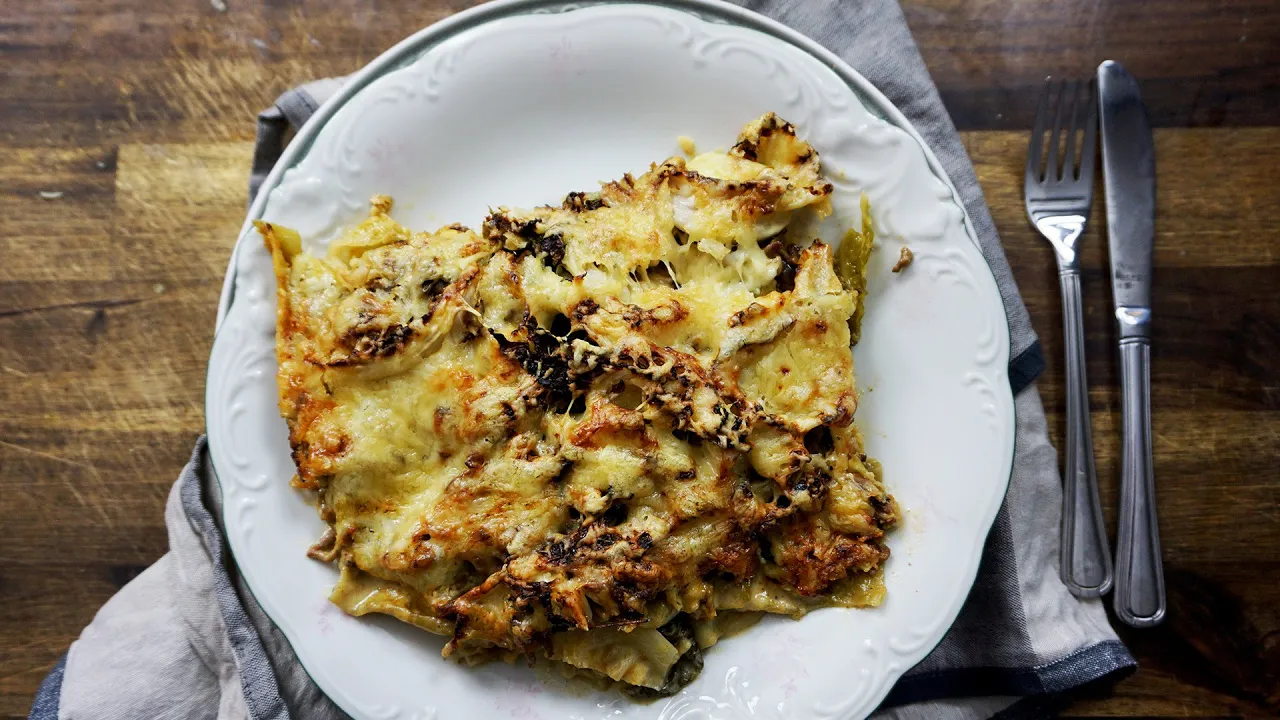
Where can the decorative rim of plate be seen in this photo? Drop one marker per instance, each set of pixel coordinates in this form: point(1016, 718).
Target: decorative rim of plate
point(412, 48)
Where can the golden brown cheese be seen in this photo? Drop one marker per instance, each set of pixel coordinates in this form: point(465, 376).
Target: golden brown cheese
point(592, 431)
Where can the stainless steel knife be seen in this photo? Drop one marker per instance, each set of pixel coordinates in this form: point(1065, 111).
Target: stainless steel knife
point(1129, 171)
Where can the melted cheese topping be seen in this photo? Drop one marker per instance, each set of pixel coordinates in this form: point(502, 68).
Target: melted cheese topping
point(590, 428)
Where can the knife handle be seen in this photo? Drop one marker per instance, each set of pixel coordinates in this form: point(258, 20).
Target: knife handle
point(1085, 561)
point(1139, 597)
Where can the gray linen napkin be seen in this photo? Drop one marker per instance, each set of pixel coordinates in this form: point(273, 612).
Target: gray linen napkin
point(186, 639)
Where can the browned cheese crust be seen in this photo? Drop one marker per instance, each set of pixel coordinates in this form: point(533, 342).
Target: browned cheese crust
point(601, 422)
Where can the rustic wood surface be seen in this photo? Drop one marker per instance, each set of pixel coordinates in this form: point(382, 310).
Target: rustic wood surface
point(125, 140)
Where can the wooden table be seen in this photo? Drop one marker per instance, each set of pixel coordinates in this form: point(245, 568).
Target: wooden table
point(125, 139)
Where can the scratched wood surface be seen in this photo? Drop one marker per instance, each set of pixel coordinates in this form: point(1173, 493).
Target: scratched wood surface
point(125, 130)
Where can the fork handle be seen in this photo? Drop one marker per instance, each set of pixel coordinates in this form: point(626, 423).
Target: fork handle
point(1085, 563)
point(1139, 598)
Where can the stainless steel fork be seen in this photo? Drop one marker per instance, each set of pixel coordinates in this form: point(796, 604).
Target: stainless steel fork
point(1059, 193)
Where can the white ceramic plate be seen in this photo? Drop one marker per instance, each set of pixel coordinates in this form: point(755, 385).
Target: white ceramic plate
point(518, 103)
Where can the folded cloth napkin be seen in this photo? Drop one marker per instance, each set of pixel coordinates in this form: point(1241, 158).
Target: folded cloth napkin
point(186, 639)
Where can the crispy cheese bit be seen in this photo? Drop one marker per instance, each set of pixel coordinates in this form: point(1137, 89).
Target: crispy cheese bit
point(905, 257)
point(687, 146)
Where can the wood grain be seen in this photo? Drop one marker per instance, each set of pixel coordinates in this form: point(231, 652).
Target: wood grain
point(1215, 407)
point(1202, 63)
point(136, 117)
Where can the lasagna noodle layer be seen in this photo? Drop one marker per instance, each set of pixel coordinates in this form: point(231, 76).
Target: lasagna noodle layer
point(598, 431)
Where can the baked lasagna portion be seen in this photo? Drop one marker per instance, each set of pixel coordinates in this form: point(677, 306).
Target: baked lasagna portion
point(608, 431)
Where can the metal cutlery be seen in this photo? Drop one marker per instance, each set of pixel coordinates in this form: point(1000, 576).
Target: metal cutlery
point(1059, 193)
point(1128, 163)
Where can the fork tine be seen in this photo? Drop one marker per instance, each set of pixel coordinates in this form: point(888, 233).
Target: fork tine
point(1088, 148)
point(1036, 148)
point(1055, 138)
point(1072, 100)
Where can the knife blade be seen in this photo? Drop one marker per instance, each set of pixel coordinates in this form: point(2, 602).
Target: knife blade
point(1129, 169)
point(1129, 173)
